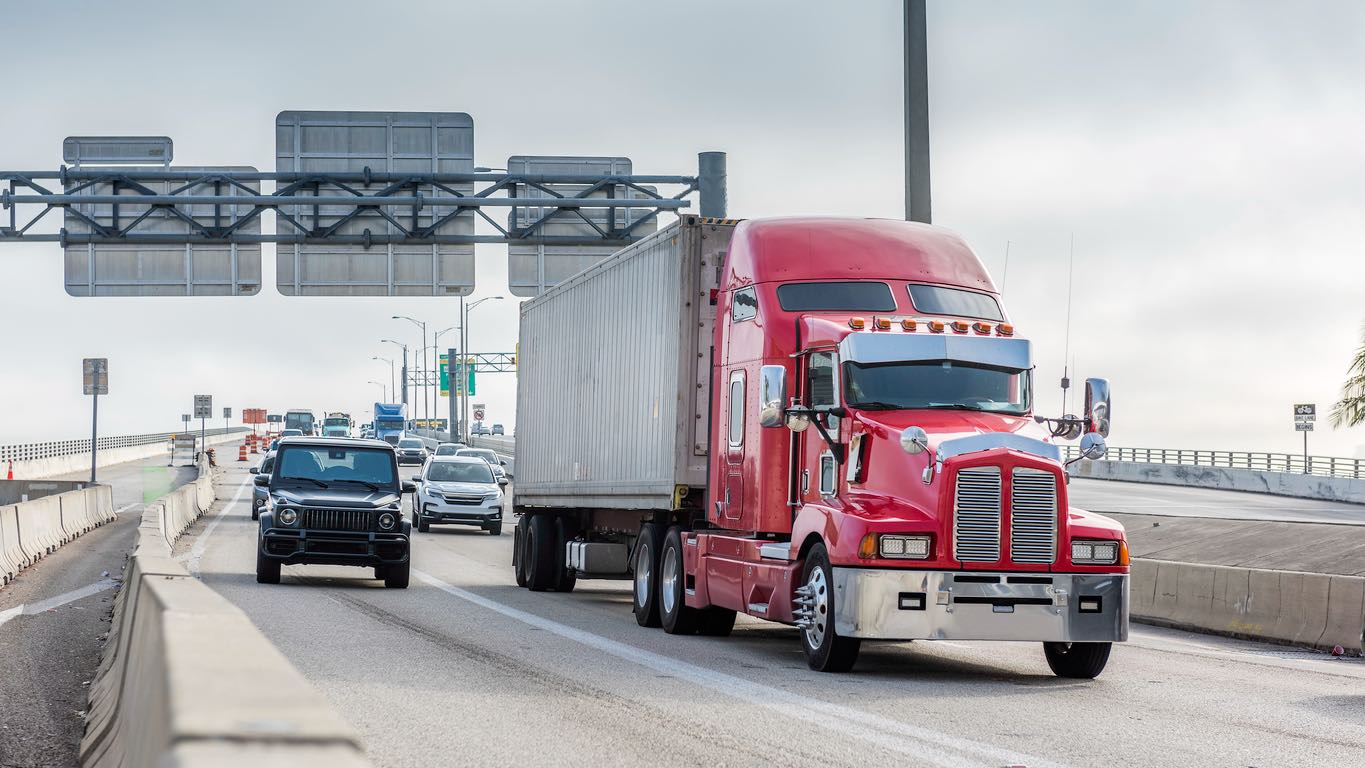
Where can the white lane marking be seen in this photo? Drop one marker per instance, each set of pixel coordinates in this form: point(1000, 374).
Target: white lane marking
point(28, 609)
point(192, 558)
point(884, 732)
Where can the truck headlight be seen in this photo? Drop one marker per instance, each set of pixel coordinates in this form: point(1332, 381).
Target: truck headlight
point(387, 521)
point(1098, 552)
point(900, 547)
point(288, 516)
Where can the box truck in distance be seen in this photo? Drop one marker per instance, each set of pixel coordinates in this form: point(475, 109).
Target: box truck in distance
point(823, 422)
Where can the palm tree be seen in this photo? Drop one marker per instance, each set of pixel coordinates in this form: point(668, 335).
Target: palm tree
point(1349, 411)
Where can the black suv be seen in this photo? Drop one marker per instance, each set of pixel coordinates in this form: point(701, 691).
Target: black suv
point(334, 501)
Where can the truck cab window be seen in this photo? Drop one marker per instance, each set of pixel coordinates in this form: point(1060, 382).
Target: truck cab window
point(745, 305)
point(737, 408)
point(820, 377)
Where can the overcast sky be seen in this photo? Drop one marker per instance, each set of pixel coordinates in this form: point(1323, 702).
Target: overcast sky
point(1207, 158)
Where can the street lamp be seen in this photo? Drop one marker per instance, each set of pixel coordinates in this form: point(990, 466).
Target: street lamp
point(404, 390)
point(393, 382)
point(450, 375)
point(464, 355)
point(423, 326)
point(383, 389)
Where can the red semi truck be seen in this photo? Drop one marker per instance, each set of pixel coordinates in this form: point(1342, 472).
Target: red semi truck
point(827, 423)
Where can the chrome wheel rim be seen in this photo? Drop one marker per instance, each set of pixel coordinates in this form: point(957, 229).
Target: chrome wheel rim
point(670, 579)
point(819, 595)
point(644, 574)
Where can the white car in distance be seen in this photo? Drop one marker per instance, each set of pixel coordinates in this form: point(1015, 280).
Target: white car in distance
point(459, 490)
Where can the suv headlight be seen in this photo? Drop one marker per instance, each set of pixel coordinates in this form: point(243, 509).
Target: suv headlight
point(387, 521)
point(287, 516)
point(1088, 552)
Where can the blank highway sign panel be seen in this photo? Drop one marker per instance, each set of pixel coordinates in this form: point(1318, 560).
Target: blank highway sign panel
point(416, 142)
point(185, 269)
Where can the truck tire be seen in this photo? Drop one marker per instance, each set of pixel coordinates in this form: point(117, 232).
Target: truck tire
point(564, 578)
point(716, 621)
point(519, 550)
point(1080, 661)
point(645, 567)
point(396, 574)
point(267, 570)
point(825, 650)
point(540, 555)
point(677, 617)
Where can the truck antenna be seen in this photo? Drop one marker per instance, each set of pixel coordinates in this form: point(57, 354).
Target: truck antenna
point(1066, 355)
point(1005, 273)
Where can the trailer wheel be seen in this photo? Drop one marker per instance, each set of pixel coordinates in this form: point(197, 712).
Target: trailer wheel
point(715, 621)
point(519, 551)
point(645, 594)
point(677, 617)
point(825, 650)
point(540, 554)
point(1081, 661)
point(564, 578)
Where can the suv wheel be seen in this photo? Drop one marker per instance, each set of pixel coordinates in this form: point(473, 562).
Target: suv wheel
point(396, 574)
point(267, 570)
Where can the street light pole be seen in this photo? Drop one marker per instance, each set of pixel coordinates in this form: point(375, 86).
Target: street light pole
point(464, 356)
point(404, 389)
point(383, 389)
point(393, 385)
point(423, 326)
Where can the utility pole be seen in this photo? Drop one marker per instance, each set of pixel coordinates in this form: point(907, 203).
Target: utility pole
point(916, 113)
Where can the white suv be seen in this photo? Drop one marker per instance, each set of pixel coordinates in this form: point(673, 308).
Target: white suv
point(459, 490)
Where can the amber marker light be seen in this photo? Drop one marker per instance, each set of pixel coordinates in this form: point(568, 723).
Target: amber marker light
point(908, 325)
point(856, 323)
point(1005, 329)
point(982, 328)
point(960, 326)
point(867, 548)
point(881, 323)
point(936, 326)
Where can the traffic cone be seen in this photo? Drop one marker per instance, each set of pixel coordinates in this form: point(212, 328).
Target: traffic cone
point(253, 446)
point(241, 452)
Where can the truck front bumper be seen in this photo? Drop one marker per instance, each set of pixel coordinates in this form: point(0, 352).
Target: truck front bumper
point(978, 605)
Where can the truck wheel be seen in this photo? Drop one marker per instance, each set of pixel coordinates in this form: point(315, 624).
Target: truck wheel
point(716, 621)
point(267, 570)
point(396, 574)
point(645, 593)
point(825, 650)
point(564, 578)
point(519, 550)
point(540, 555)
point(1082, 661)
point(677, 617)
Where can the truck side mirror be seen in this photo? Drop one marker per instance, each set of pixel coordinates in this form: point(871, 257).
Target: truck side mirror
point(772, 395)
point(1097, 406)
point(1093, 446)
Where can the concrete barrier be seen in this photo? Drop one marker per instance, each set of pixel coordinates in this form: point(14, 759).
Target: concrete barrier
point(1308, 609)
point(1248, 480)
point(80, 462)
point(186, 679)
point(35, 528)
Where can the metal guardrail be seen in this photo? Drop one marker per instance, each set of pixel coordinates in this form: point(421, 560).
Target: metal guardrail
point(56, 448)
point(1326, 466)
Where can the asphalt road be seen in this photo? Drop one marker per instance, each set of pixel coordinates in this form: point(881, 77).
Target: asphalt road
point(1179, 501)
point(53, 618)
point(465, 668)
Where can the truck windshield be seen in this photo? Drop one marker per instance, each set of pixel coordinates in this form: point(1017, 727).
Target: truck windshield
point(328, 464)
point(460, 472)
point(944, 384)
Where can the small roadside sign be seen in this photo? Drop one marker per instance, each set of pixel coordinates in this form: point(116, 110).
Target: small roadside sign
point(95, 375)
point(1305, 412)
point(1303, 426)
point(203, 406)
point(185, 417)
point(227, 412)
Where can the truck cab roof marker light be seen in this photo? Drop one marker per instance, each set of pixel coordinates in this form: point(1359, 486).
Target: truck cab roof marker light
point(1004, 329)
point(936, 326)
point(960, 326)
point(881, 323)
point(982, 328)
point(908, 325)
point(857, 323)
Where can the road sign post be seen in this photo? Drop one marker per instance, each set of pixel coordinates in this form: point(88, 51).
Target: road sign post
point(1304, 416)
point(203, 409)
point(94, 382)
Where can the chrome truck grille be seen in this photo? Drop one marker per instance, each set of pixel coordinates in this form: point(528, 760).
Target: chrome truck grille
point(1033, 516)
point(336, 519)
point(976, 515)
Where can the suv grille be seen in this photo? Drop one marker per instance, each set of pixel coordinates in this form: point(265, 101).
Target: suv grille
point(453, 498)
point(976, 515)
point(1033, 516)
point(337, 519)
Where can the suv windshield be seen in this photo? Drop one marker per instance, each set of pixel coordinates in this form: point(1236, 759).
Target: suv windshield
point(447, 449)
point(460, 472)
point(951, 385)
point(481, 453)
point(409, 443)
point(329, 464)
